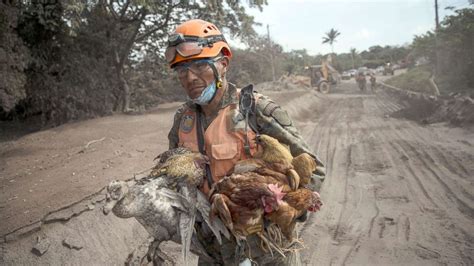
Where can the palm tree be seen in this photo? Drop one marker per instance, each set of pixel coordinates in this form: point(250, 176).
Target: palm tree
point(353, 56)
point(330, 38)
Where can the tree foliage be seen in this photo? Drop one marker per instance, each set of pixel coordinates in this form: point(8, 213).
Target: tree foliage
point(331, 37)
point(449, 49)
point(94, 57)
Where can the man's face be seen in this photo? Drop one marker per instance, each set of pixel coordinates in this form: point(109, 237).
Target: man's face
point(198, 75)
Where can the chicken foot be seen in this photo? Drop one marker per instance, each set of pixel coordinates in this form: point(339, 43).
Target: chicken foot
point(270, 244)
point(157, 256)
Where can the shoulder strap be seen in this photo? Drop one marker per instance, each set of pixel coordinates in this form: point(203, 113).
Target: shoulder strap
point(200, 139)
point(247, 108)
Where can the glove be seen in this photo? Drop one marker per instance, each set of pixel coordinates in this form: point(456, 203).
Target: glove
point(303, 217)
point(316, 181)
point(320, 171)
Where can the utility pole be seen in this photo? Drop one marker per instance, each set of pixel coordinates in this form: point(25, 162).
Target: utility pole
point(437, 70)
point(436, 15)
point(271, 53)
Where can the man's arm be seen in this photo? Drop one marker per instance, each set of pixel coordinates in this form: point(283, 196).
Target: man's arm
point(274, 121)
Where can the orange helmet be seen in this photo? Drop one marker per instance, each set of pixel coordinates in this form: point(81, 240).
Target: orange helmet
point(195, 39)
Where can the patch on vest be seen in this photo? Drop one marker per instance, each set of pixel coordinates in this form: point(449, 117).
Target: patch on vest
point(281, 116)
point(187, 123)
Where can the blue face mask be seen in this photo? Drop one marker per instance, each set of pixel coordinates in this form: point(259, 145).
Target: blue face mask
point(206, 95)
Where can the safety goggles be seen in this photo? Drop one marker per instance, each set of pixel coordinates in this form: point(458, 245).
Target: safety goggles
point(188, 46)
point(198, 67)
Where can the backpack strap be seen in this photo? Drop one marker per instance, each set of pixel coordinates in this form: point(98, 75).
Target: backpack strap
point(247, 107)
point(200, 139)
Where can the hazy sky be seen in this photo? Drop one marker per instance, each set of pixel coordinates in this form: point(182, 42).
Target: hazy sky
point(298, 24)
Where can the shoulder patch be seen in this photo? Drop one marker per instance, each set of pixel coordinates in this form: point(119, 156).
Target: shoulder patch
point(269, 108)
point(187, 123)
point(281, 116)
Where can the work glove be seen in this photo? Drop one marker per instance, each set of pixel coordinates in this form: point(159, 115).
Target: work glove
point(303, 217)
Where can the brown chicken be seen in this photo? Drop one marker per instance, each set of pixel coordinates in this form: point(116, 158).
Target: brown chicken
point(241, 200)
point(304, 165)
point(277, 159)
point(292, 206)
point(181, 164)
point(264, 171)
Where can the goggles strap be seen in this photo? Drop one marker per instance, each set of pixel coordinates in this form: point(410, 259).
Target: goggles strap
point(206, 41)
point(217, 78)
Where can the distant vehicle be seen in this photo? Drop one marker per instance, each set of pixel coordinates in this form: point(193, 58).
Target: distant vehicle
point(346, 75)
point(322, 76)
point(379, 69)
point(363, 70)
point(388, 69)
point(353, 72)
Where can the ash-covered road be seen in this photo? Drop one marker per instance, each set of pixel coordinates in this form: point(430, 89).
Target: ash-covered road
point(397, 192)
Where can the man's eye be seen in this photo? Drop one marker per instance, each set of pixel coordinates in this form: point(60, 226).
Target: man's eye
point(201, 66)
point(179, 69)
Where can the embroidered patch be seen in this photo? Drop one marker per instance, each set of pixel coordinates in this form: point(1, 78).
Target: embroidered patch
point(187, 123)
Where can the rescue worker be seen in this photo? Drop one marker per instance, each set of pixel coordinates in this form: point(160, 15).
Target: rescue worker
point(361, 80)
point(222, 122)
point(373, 82)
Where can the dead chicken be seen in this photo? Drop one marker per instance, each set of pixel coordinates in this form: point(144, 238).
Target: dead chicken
point(166, 202)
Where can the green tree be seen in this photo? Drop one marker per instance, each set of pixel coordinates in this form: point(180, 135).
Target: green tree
point(132, 26)
point(330, 38)
point(87, 52)
point(451, 44)
point(353, 56)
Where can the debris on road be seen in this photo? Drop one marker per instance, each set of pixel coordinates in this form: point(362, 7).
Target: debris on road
point(42, 246)
point(72, 243)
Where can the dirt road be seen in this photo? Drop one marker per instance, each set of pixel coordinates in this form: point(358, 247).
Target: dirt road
point(397, 192)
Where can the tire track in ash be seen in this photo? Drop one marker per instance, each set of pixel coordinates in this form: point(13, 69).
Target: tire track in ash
point(412, 169)
point(358, 232)
point(420, 135)
point(376, 122)
point(454, 161)
point(441, 154)
point(347, 234)
point(370, 168)
point(373, 137)
point(444, 214)
point(406, 140)
point(327, 143)
point(393, 232)
point(405, 174)
point(423, 154)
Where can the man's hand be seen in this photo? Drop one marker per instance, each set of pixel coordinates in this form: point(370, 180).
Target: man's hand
point(303, 217)
point(321, 172)
point(316, 181)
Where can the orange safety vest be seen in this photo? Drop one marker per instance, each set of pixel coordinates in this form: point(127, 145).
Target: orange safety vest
point(223, 141)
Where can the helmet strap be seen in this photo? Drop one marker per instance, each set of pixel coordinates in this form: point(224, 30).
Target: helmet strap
point(217, 76)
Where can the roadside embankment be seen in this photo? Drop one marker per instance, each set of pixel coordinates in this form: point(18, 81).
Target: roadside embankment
point(457, 110)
